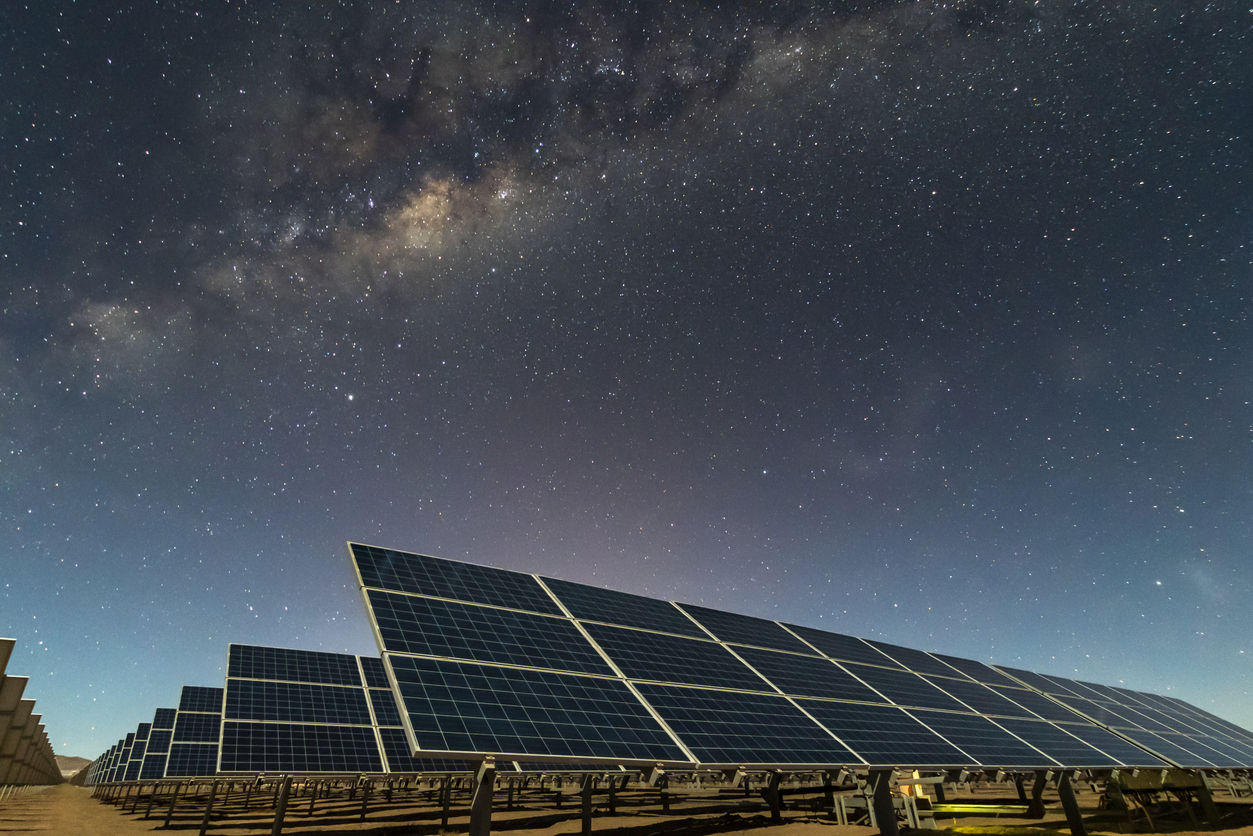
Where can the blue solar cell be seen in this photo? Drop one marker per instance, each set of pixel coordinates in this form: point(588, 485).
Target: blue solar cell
point(375, 674)
point(977, 671)
point(1038, 704)
point(667, 658)
point(159, 741)
point(915, 660)
point(422, 575)
point(1171, 749)
point(431, 627)
point(164, 718)
point(385, 711)
point(983, 740)
point(904, 688)
point(196, 698)
point(153, 768)
point(979, 697)
point(295, 702)
point(459, 707)
point(884, 735)
point(728, 727)
point(592, 603)
point(1055, 742)
point(285, 665)
point(744, 629)
point(844, 648)
point(1209, 748)
point(143, 731)
point(188, 760)
point(1101, 712)
point(806, 676)
point(254, 747)
point(197, 728)
point(1033, 680)
point(1111, 744)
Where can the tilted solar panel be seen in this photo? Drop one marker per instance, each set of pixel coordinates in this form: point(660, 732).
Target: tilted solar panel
point(490, 662)
point(196, 735)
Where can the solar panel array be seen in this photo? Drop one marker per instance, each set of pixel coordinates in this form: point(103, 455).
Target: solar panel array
point(494, 662)
point(197, 732)
point(158, 748)
point(302, 711)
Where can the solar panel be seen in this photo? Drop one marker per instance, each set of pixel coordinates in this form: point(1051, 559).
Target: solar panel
point(884, 734)
point(725, 727)
point(264, 747)
point(903, 688)
point(591, 603)
point(666, 658)
point(285, 665)
point(916, 660)
point(431, 627)
point(405, 572)
point(744, 629)
point(977, 671)
point(384, 705)
point(468, 708)
point(194, 743)
point(329, 723)
point(983, 740)
point(494, 663)
point(158, 747)
point(980, 697)
point(1038, 704)
point(843, 648)
point(1060, 745)
point(375, 673)
point(296, 702)
point(806, 676)
point(201, 699)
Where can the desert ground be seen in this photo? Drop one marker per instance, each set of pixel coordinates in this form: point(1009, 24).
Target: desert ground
point(68, 810)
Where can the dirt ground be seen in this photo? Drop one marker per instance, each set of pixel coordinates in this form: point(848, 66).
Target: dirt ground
point(67, 810)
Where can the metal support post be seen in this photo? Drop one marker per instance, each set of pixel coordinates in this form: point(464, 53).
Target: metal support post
point(586, 798)
point(1035, 807)
point(280, 809)
point(173, 800)
point(1067, 794)
point(1206, 797)
point(365, 799)
point(770, 792)
point(208, 809)
point(481, 806)
point(445, 794)
point(884, 809)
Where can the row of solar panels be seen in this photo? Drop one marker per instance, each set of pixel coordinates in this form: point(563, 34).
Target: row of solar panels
point(26, 755)
point(489, 661)
point(481, 662)
point(281, 711)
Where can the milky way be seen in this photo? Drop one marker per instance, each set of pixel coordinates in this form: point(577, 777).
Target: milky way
point(918, 321)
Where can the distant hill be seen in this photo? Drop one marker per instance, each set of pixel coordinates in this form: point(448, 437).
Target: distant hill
point(69, 766)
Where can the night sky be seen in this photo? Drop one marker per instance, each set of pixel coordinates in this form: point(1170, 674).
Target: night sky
point(921, 321)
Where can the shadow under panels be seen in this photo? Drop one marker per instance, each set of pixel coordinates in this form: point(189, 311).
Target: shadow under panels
point(490, 662)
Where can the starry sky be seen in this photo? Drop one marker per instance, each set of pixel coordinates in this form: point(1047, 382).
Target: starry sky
point(922, 321)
